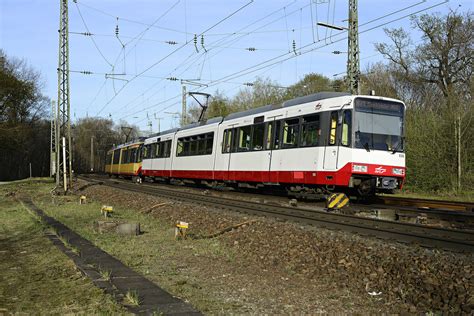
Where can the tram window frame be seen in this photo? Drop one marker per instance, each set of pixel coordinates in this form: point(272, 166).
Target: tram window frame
point(289, 129)
point(248, 138)
point(167, 148)
point(123, 156)
point(191, 145)
point(332, 135)
point(209, 142)
point(307, 122)
point(277, 135)
point(227, 141)
point(129, 154)
point(201, 144)
point(127, 157)
point(116, 157)
point(179, 148)
point(346, 123)
point(254, 145)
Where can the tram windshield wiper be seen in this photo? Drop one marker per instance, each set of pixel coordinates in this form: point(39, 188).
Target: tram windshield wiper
point(397, 147)
point(366, 146)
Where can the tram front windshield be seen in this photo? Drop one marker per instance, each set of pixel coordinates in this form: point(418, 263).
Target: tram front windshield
point(378, 125)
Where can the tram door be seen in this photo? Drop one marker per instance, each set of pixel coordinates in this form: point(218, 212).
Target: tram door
point(227, 145)
point(272, 142)
point(331, 150)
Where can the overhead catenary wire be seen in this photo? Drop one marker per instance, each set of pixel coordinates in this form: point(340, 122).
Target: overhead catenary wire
point(174, 51)
point(249, 69)
point(240, 73)
point(188, 59)
point(258, 66)
point(303, 47)
point(93, 40)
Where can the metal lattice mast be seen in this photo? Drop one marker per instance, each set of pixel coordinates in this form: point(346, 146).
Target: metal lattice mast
point(353, 62)
point(184, 113)
point(64, 124)
point(52, 167)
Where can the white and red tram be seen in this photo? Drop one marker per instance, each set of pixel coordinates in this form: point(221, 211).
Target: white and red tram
point(319, 142)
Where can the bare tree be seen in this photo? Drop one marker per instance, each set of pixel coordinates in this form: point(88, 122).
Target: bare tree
point(444, 59)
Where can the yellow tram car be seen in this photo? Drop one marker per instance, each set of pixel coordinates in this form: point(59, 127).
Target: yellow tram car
point(125, 160)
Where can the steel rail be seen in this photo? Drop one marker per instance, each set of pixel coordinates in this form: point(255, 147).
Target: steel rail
point(406, 232)
point(425, 203)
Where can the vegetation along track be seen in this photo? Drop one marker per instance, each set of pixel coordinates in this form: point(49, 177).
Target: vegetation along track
point(405, 232)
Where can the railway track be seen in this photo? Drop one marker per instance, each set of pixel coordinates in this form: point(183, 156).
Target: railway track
point(425, 204)
point(405, 232)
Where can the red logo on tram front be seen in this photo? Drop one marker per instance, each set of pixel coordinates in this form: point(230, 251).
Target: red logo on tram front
point(380, 170)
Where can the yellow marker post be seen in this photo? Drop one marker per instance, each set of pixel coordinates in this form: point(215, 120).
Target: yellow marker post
point(106, 210)
point(82, 199)
point(180, 230)
point(337, 201)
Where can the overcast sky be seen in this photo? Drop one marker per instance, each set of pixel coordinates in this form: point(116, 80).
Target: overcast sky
point(139, 86)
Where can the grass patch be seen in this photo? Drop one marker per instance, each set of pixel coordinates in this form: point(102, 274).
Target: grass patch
point(155, 254)
point(36, 277)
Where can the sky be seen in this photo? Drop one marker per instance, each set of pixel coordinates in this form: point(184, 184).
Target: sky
point(137, 46)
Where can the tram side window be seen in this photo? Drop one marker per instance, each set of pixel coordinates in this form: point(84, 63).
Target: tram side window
point(201, 144)
point(346, 128)
point(130, 155)
point(268, 136)
point(160, 148)
point(290, 133)
point(140, 153)
point(124, 153)
point(209, 143)
point(136, 155)
point(195, 145)
point(227, 143)
point(276, 137)
point(167, 149)
point(258, 132)
point(310, 131)
point(244, 138)
point(116, 156)
point(180, 148)
point(332, 128)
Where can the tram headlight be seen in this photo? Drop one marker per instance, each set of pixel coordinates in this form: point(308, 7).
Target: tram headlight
point(359, 168)
point(398, 171)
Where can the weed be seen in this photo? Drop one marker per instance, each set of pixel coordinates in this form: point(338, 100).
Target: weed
point(132, 297)
point(105, 274)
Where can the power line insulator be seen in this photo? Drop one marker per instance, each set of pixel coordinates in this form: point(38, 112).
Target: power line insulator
point(116, 30)
point(195, 43)
point(86, 72)
point(171, 42)
point(294, 47)
point(202, 43)
point(248, 84)
point(172, 79)
point(337, 52)
point(251, 49)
